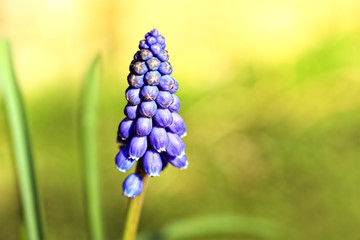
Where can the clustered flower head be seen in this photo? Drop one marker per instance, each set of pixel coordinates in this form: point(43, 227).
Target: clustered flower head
point(152, 130)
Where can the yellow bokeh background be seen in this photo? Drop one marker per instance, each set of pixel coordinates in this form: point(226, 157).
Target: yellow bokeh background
point(204, 37)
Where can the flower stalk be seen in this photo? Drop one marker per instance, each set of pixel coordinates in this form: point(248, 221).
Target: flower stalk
point(134, 212)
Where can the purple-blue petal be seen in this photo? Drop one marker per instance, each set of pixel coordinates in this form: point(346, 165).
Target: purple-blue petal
point(122, 160)
point(145, 54)
point(178, 125)
point(179, 162)
point(150, 40)
point(164, 99)
point(143, 44)
point(133, 96)
point(160, 39)
point(163, 55)
point(132, 185)
point(165, 68)
point(137, 147)
point(139, 68)
point(153, 63)
point(152, 163)
point(175, 106)
point(149, 93)
point(135, 81)
point(126, 128)
point(163, 117)
point(175, 87)
point(159, 139)
point(143, 126)
point(148, 108)
point(166, 82)
point(176, 146)
point(152, 78)
point(154, 32)
point(156, 48)
point(131, 111)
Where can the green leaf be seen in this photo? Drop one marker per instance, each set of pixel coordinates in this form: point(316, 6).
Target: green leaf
point(21, 144)
point(216, 226)
point(88, 144)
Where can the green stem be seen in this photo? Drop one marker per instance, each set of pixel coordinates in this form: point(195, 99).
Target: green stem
point(134, 211)
point(88, 146)
point(21, 144)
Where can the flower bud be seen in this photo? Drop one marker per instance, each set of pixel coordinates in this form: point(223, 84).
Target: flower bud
point(164, 99)
point(143, 45)
point(156, 48)
point(137, 56)
point(153, 63)
point(131, 111)
point(159, 139)
point(176, 146)
point(150, 40)
point(179, 162)
point(135, 81)
point(132, 185)
point(139, 68)
point(152, 78)
point(133, 96)
point(145, 54)
point(137, 147)
point(175, 106)
point(152, 163)
point(154, 32)
point(165, 68)
point(163, 117)
point(175, 87)
point(160, 39)
point(143, 126)
point(126, 128)
point(163, 55)
point(178, 125)
point(149, 93)
point(148, 108)
point(122, 160)
point(166, 83)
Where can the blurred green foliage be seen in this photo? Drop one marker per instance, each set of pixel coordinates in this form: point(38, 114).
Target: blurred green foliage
point(279, 143)
point(218, 226)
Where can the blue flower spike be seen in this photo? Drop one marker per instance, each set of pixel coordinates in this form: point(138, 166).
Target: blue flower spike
point(151, 133)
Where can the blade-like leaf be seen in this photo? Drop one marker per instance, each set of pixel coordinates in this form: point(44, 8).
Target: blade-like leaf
point(88, 146)
point(21, 144)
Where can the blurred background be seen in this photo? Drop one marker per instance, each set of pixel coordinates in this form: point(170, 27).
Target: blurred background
point(269, 91)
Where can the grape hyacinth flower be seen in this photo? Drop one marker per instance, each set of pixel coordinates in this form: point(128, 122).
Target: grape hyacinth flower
point(152, 131)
